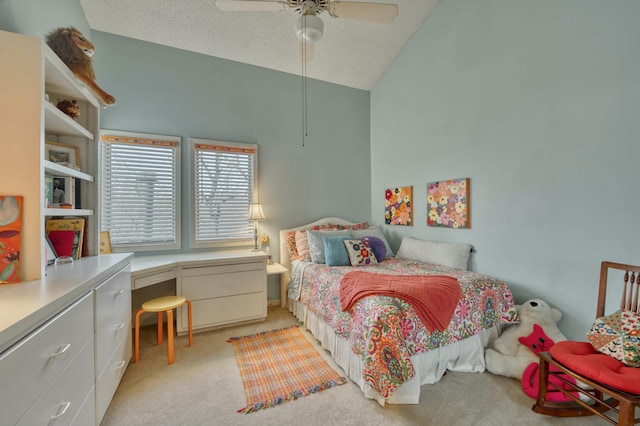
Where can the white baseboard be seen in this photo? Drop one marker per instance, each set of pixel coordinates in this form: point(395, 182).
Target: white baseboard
point(274, 302)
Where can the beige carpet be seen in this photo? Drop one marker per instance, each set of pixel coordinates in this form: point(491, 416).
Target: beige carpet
point(204, 387)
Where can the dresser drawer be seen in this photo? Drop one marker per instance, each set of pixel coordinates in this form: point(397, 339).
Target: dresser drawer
point(221, 285)
point(222, 269)
point(223, 310)
point(154, 278)
point(113, 315)
point(87, 414)
point(109, 379)
point(60, 404)
point(28, 368)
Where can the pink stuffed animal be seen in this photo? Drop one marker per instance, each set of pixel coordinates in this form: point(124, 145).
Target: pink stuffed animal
point(538, 341)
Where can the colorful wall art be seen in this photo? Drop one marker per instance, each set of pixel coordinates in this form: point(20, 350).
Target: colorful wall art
point(448, 203)
point(398, 205)
point(10, 238)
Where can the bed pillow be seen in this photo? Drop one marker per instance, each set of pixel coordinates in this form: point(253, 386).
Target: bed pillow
point(290, 238)
point(316, 247)
point(372, 232)
point(618, 335)
point(453, 255)
point(302, 245)
point(359, 254)
point(335, 253)
point(378, 247)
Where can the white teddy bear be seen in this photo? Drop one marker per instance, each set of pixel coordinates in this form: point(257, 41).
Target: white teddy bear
point(510, 357)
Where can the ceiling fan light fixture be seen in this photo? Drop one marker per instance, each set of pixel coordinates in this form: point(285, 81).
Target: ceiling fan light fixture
point(309, 28)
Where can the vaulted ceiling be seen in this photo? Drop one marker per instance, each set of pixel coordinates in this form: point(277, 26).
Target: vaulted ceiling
point(351, 53)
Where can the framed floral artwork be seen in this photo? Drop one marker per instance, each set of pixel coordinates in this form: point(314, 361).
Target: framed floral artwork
point(448, 203)
point(398, 206)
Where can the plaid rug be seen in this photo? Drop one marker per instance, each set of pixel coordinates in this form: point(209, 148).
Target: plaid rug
point(279, 366)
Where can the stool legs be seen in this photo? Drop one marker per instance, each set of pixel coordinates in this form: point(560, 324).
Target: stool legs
point(170, 351)
point(190, 323)
point(159, 328)
point(170, 335)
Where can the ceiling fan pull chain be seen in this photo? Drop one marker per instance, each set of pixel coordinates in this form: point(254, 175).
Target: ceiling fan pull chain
point(305, 121)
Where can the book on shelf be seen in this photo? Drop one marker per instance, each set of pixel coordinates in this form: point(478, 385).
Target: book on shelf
point(64, 192)
point(75, 224)
point(85, 242)
point(48, 190)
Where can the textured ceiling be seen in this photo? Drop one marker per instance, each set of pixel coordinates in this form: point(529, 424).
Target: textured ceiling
point(351, 53)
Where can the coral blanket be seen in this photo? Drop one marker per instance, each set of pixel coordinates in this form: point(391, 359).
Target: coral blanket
point(434, 297)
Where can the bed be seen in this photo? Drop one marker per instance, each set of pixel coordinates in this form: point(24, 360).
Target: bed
point(380, 341)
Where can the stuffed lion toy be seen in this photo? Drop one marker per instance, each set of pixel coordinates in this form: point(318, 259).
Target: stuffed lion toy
point(76, 51)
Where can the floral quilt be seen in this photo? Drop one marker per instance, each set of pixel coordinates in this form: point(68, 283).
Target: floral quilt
point(385, 331)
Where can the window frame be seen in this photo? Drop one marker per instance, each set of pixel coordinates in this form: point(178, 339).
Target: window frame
point(148, 247)
point(235, 242)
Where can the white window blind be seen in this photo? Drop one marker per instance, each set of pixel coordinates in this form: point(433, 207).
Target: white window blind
point(140, 191)
point(223, 188)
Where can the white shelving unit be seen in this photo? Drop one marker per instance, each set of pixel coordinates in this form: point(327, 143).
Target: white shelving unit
point(35, 82)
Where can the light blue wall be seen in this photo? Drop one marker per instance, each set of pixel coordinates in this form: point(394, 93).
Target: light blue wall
point(169, 91)
point(538, 103)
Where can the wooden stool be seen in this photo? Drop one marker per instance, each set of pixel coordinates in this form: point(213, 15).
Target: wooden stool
point(162, 304)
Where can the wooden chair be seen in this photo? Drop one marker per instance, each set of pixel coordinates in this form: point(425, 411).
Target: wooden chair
point(605, 386)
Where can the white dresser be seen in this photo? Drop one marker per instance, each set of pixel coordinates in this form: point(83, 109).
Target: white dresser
point(112, 301)
point(65, 342)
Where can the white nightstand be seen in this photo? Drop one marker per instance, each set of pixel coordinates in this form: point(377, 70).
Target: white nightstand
point(277, 269)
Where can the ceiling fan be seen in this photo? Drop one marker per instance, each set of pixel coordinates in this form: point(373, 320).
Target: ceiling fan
point(308, 26)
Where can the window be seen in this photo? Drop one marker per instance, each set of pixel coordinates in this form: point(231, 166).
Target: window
point(223, 185)
point(140, 190)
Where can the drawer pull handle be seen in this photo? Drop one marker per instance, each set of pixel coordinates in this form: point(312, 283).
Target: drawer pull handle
point(119, 365)
point(61, 410)
point(62, 349)
point(119, 292)
point(119, 326)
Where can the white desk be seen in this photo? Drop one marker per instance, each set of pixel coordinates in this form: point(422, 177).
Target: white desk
point(149, 270)
point(224, 287)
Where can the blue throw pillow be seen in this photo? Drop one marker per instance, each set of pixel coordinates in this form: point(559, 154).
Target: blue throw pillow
point(335, 254)
point(378, 247)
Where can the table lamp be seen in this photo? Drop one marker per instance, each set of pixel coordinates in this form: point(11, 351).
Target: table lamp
point(256, 214)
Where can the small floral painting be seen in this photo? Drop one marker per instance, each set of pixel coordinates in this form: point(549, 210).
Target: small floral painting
point(448, 203)
point(398, 206)
point(10, 238)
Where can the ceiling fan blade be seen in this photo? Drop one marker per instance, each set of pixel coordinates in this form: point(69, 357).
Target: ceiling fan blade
point(307, 51)
point(381, 13)
point(251, 5)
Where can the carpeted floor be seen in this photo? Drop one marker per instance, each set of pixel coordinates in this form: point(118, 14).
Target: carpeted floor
point(204, 387)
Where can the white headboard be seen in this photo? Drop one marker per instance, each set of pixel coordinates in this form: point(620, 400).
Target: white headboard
point(285, 259)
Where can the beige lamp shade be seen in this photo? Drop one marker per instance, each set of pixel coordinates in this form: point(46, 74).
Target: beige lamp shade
point(255, 212)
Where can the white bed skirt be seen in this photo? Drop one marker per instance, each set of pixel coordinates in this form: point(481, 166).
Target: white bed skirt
point(464, 356)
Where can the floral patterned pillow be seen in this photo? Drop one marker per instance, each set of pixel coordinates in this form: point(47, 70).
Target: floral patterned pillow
point(359, 254)
point(290, 238)
point(618, 335)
